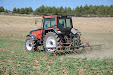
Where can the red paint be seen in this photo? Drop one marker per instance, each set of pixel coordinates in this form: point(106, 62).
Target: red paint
point(38, 33)
point(55, 21)
point(68, 43)
point(47, 16)
point(51, 16)
point(62, 44)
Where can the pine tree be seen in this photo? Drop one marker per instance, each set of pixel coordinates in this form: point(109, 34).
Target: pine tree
point(18, 10)
point(14, 10)
point(1, 9)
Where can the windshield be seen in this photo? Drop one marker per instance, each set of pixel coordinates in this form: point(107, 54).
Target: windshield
point(64, 23)
point(49, 23)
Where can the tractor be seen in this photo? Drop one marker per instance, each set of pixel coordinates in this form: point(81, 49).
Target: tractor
point(57, 34)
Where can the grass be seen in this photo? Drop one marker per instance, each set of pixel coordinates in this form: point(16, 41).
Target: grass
point(15, 60)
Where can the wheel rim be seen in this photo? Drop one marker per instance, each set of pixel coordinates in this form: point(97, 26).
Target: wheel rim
point(29, 45)
point(51, 43)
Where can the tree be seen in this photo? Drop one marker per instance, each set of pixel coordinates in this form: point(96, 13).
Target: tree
point(54, 10)
point(14, 10)
point(18, 10)
point(86, 10)
point(50, 10)
point(58, 11)
point(46, 10)
point(22, 11)
point(61, 10)
point(36, 12)
point(1, 9)
point(30, 10)
point(26, 11)
point(81, 10)
point(77, 11)
point(100, 10)
point(106, 10)
point(68, 11)
point(41, 10)
point(73, 12)
point(111, 10)
point(65, 11)
point(6, 11)
point(92, 10)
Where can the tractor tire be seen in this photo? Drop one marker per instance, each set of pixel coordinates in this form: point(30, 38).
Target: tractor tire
point(51, 42)
point(30, 44)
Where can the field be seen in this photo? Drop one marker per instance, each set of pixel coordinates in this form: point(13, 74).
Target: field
point(15, 60)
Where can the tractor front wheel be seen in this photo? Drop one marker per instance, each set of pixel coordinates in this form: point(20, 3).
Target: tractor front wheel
point(30, 44)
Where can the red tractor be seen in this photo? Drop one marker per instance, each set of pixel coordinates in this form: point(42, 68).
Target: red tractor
point(57, 34)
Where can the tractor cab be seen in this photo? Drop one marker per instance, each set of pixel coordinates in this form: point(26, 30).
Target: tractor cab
point(63, 24)
point(60, 21)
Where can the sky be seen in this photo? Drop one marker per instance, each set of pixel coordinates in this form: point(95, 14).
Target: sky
point(10, 4)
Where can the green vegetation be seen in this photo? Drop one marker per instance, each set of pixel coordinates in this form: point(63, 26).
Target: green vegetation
point(23, 10)
point(1, 9)
point(15, 60)
point(78, 11)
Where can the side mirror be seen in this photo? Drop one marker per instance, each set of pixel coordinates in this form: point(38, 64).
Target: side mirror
point(36, 21)
point(42, 20)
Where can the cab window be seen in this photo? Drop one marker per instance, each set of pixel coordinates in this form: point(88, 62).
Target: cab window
point(49, 23)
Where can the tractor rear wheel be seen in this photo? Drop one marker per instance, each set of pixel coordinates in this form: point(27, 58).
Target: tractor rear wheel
point(30, 44)
point(51, 42)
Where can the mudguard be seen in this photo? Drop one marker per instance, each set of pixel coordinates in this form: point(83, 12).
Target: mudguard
point(33, 36)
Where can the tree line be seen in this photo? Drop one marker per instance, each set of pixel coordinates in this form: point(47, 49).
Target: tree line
point(4, 10)
point(23, 10)
point(78, 11)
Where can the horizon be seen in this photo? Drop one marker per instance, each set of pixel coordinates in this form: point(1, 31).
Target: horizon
point(9, 5)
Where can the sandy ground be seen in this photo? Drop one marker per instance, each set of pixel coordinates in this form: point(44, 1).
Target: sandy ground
point(94, 30)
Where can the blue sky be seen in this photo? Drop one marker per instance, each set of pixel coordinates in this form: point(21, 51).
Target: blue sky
point(10, 4)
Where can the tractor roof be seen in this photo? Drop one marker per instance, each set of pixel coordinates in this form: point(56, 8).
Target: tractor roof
point(57, 16)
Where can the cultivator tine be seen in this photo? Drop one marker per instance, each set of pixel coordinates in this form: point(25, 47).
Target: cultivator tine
point(74, 49)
